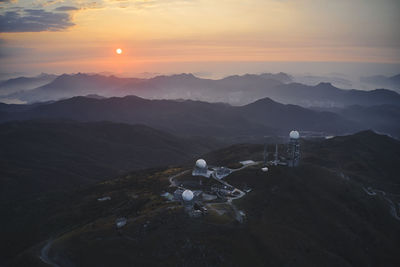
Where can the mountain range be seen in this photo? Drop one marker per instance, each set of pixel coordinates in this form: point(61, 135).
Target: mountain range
point(192, 118)
point(188, 118)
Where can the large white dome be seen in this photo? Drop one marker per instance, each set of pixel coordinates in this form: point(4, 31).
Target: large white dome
point(294, 135)
point(201, 164)
point(187, 195)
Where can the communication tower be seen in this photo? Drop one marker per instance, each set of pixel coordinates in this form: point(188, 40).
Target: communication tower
point(294, 149)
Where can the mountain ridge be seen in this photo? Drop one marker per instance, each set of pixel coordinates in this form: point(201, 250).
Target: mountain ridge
point(191, 117)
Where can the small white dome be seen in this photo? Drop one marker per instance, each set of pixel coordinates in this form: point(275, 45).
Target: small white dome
point(201, 164)
point(187, 195)
point(294, 135)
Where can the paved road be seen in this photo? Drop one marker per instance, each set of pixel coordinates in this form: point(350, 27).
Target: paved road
point(44, 254)
point(394, 211)
point(173, 182)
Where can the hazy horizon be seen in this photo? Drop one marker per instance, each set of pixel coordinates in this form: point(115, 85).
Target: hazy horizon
point(218, 70)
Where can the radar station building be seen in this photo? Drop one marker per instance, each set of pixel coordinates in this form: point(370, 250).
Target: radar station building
point(293, 159)
point(201, 169)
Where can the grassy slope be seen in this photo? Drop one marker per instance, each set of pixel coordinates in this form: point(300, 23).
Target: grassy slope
point(307, 216)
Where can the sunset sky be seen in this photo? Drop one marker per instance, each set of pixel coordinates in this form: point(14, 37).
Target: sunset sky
point(160, 35)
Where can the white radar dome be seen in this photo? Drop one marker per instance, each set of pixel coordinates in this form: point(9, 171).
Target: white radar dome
point(187, 195)
point(294, 135)
point(201, 164)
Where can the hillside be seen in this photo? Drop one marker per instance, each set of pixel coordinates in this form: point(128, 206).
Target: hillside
point(43, 161)
point(319, 214)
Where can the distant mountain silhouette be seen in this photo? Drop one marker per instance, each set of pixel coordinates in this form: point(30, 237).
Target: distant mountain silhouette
point(336, 80)
point(392, 82)
point(233, 89)
point(65, 86)
point(24, 83)
point(326, 95)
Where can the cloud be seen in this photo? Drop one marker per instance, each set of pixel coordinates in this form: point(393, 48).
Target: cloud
point(66, 8)
point(142, 4)
point(92, 5)
point(8, 1)
point(49, 3)
point(34, 20)
point(147, 4)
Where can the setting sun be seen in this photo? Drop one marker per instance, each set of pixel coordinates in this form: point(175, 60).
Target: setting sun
point(119, 51)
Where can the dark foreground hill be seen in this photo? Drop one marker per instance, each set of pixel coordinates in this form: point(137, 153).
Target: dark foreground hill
point(330, 211)
point(43, 156)
point(41, 159)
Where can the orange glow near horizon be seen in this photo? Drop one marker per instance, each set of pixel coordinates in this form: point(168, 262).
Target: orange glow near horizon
point(205, 30)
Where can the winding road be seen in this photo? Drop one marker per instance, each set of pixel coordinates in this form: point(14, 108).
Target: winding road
point(44, 254)
point(394, 211)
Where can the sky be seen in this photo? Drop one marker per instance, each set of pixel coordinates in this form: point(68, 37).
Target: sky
point(164, 36)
